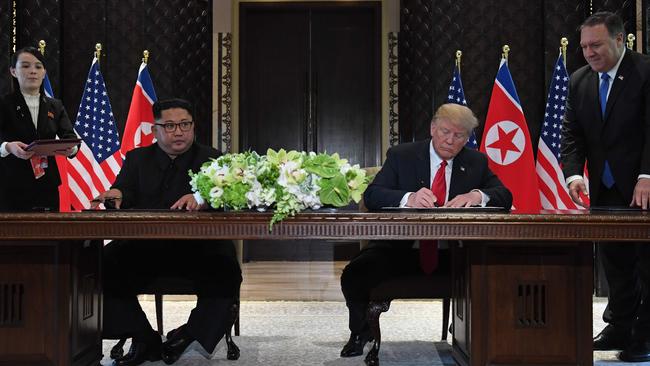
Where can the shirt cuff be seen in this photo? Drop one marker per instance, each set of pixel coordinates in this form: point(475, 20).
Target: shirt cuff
point(573, 178)
point(3, 150)
point(646, 176)
point(198, 198)
point(405, 199)
point(484, 197)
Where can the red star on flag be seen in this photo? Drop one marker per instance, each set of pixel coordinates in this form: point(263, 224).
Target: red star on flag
point(504, 143)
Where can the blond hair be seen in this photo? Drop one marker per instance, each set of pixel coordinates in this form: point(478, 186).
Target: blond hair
point(457, 115)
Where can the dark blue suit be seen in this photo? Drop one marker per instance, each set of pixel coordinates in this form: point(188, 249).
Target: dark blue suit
point(408, 169)
point(622, 137)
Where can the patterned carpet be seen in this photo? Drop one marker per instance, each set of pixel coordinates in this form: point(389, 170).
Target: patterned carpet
point(312, 333)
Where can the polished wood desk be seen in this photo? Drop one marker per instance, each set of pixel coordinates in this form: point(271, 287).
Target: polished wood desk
point(522, 293)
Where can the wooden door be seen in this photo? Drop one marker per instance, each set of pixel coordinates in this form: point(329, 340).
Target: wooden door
point(310, 80)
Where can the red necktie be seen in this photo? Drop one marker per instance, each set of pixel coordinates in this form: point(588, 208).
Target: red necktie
point(429, 248)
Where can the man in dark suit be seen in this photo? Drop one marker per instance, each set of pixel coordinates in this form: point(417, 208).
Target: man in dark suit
point(156, 177)
point(607, 122)
point(417, 175)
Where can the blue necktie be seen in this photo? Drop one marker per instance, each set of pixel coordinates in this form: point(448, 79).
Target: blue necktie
point(607, 178)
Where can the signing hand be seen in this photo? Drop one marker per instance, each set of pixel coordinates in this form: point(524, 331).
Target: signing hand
point(113, 195)
point(468, 199)
point(187, 202)
point(17, 148)
point(641, 196)
point(422, 198)
point(575, 189)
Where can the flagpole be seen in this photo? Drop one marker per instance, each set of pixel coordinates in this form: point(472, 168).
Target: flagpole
point(145, 57)
point(98, 51)
point(41, 46)
point(505, 49)
point(630, 41)
point(459, 54)
point(564, 42)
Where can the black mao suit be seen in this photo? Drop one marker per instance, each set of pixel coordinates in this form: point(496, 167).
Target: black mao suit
point(407, 169)
point(622, 137)
point(19, 190)
point(150, 179)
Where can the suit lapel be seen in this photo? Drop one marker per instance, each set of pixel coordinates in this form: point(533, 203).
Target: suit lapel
point(423, 165)
point(622, 76)
point(42, 121)
point(24, 117)
point(458, 175)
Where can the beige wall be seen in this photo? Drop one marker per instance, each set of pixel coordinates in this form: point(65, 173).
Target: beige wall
point(226, 19)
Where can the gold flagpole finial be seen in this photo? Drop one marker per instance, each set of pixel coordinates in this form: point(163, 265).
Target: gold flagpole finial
point(41, 46)
point(98, 50)
point(145, 57)
point(459, 54)
point(630, 41)
point(564, 42)
point(505, 49)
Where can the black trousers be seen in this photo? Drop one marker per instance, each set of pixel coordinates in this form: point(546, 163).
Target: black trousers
point(130, 266)
point(379, 262)
point(627, 269)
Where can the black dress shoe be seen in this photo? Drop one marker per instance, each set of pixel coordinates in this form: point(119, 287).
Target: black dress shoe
point(177, 341)
point(612, 338)
point(637, 351)
point(355, 345)
point(140, 352)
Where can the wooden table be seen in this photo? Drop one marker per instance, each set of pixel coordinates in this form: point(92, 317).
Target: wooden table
point(522, 283)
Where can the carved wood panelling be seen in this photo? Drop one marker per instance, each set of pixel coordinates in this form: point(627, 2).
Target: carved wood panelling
point(327, 225)
point(11, 304)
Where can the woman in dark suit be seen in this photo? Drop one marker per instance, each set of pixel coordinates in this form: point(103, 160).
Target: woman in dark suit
point(30, 182)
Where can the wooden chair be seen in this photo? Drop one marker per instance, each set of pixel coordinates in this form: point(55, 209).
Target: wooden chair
point(421, 286)
point(434, 286)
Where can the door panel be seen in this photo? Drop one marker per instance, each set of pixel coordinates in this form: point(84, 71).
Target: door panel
point(274, 79)
point(310, 81)
point(345, 67)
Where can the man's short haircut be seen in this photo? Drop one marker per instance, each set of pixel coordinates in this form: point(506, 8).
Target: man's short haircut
point(612, 22)
point(458, 115)
point(165, 104)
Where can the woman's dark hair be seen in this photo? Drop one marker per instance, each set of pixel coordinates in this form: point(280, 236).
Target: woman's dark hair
point(14, 60)
point(164, 104)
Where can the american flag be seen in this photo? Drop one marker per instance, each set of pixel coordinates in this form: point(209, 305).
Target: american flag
point(96, 165)
point(457, 95)
point(553, 192)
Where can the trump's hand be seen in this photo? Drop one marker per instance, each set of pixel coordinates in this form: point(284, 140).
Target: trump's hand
point(576, 188)
point(112, 197)
point(641, 195)
point(17, 148)
point(422, 198)
point(187, 202)
point(468, 199)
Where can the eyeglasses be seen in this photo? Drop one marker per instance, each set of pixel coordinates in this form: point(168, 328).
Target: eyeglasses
point(456, 136)
point(171, 127)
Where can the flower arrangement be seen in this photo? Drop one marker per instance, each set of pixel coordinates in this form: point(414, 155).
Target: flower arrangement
point(288, 182)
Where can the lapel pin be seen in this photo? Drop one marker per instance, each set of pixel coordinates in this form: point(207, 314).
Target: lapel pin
point(17, 107)
point(620, 77)
point(462, 168)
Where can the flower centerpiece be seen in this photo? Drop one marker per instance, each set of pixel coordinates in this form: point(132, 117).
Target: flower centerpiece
point(287, 181)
